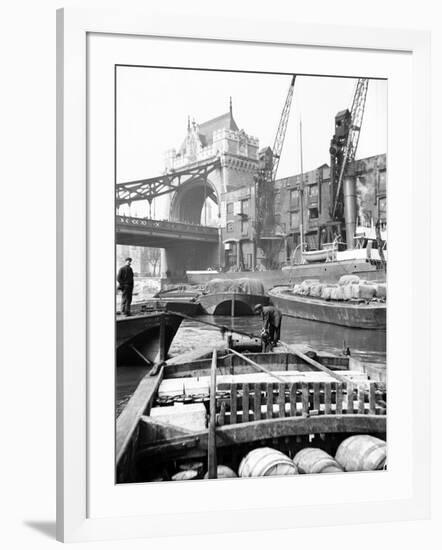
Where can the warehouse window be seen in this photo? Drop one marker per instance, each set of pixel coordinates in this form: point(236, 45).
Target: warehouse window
point(313, 191)
point(294, 219)
point(229, 227)
point(294, 198)
point(245, 206)
point(313, 213)
point(230, 208)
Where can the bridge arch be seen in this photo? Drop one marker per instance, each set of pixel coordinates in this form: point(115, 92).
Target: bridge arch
point(188, 201)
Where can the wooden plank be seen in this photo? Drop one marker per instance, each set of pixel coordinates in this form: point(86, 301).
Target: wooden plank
point(372, 398)
point(138, 404)
point(305, 400)
point(222, 414)
point(248, 432)
point(162, 343)
point(211, 439)
point(327, 397)
point(316, 396)
point(233, 403)
point(259, 367)
point(361, 400)
point(339, 398)
point(152, 430)
point(299, 398)
point(292, 399)
point(350, 398)
point(257, 401)
point(245, 403)
point(317, 365)
point(281, 400)
point(269, 401)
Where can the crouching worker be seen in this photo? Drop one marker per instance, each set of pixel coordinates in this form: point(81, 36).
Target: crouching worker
point(271, 326)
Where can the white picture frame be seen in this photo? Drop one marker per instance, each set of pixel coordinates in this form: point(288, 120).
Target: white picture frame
point(80, 515)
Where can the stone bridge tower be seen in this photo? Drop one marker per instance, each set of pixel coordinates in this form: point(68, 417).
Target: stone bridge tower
point(218, 138)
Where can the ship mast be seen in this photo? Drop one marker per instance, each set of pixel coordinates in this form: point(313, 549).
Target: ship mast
point(301, 193)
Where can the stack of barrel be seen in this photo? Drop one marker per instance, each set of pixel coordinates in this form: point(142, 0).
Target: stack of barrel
point(355, 454)
point(349, 287)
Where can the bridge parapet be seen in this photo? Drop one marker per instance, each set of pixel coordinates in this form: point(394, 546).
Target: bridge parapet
point(167, 226)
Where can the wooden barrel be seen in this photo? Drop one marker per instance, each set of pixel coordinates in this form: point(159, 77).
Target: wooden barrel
point(315, 461)
point(197, 466)
point(266, 462)
point(185, 475)
point(362, 452)
point(223, 472)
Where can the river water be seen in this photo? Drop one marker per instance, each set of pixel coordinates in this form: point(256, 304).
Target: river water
point(366, 345)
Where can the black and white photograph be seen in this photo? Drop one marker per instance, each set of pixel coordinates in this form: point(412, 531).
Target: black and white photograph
point(250, 274)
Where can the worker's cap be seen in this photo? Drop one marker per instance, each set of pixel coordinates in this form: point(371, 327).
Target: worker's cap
point(257, 308)
point(128, 260)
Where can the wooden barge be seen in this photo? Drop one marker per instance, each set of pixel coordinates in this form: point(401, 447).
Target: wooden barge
point(187, 306)
point(233, 403)
point(358, 314)
point(145, 337)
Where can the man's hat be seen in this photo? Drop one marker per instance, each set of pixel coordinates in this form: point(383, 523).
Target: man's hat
point(257, 308)
point(128, 260)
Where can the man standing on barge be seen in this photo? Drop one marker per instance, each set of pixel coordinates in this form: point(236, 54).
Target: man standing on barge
point(125, 280)
point(271, 326)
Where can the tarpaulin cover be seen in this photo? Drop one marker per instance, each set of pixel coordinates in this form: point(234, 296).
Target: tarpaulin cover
point(250, 286)
point(307, 285)
point(316, 291)
point(349, 279)
point(347, 292)
point(337, 293)
point(350, 287)
point(381, 290)
point(326, 292)
point(363, 291)
point(367, 292)
point(244, 285)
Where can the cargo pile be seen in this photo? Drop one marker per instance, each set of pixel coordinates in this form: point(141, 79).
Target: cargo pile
point(356, 453)
point(244, 285)
point(349, 288)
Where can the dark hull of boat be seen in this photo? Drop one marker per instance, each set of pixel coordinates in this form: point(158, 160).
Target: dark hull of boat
point(143, 332)
point(177, 305)
point(222, 303)
point(347, 314)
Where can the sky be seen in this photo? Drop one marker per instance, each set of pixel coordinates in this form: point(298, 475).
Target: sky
point(153, 105)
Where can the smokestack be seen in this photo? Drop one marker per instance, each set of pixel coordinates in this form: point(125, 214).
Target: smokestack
point(350, 210)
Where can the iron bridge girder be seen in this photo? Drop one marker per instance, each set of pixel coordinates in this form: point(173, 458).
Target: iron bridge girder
point(150, 188)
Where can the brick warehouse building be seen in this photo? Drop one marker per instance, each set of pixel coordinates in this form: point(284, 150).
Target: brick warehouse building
point(240, 216)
